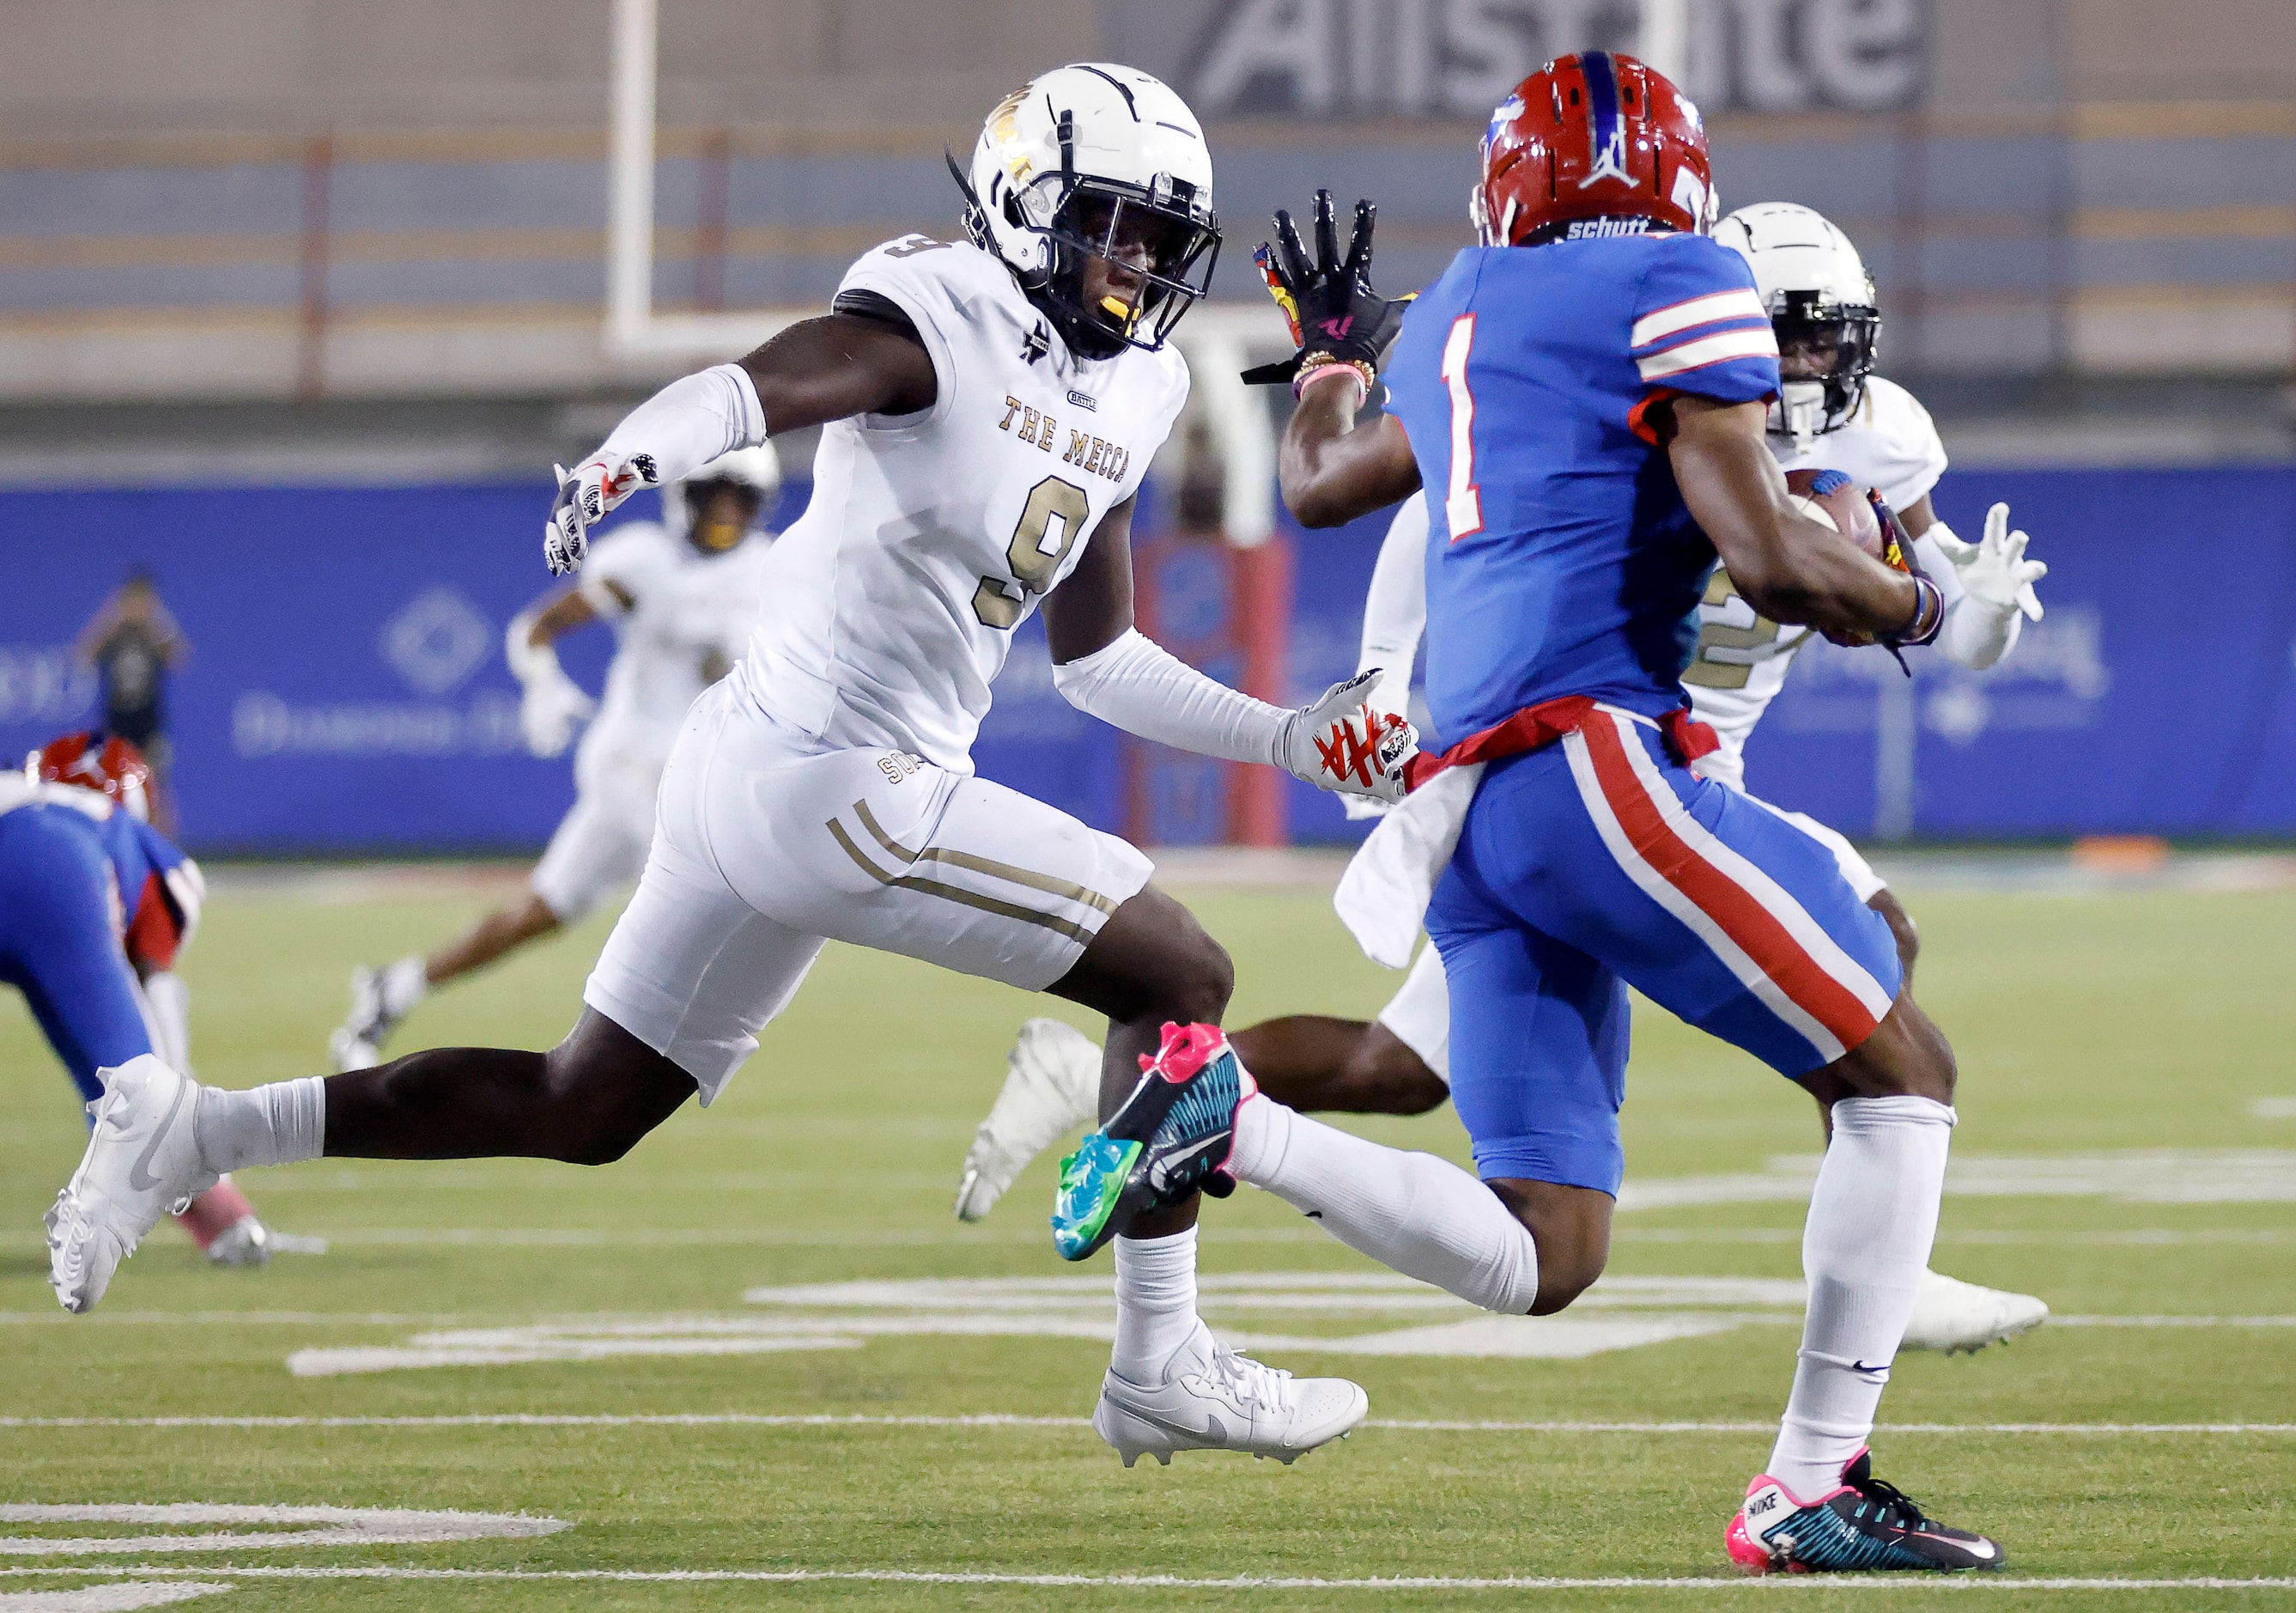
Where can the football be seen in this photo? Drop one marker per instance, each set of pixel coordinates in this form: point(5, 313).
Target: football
point(1833, 498)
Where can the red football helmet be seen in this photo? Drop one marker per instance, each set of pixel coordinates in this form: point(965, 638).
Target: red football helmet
point(1593, 144)
point(103, 762)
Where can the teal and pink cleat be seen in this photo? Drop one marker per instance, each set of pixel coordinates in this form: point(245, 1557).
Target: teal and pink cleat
point(1172, 1138)
point(1863, 1525)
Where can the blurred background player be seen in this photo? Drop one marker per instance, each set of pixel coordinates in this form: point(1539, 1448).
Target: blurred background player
point(1831, 414)
point(679, 594)
point(134, 645)
point(95, 906)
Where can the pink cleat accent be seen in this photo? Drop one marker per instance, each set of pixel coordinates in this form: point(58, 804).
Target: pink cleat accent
point(1765, 1499)
point(1186, 1048)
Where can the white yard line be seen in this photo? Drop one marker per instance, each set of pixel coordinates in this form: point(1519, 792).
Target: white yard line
point(588, 1238)
point(999, 1419)
point(119, 1596)
point(1767, 1585)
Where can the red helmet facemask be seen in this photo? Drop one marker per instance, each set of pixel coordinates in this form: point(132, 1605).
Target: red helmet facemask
point(1593, 144)
point(105, 764)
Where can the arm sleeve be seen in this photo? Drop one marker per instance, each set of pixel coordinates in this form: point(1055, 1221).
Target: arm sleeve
point(1395, 610)
point(1972, 633)
point(1700, 325)
point(691, 422)
point(1138, 686)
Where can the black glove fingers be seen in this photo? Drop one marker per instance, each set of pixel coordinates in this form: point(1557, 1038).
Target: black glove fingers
point(1291, 257)
point(1358, 269)
point(1327, 240)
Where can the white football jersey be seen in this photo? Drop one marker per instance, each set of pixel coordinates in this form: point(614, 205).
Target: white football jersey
point(1741, 661)
point(683, 626)
point(889, 606)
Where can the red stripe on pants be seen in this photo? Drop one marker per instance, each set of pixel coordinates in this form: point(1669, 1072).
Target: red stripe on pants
point(1735, 911)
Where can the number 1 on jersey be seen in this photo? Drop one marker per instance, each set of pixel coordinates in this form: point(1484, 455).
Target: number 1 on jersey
point(1463, 503)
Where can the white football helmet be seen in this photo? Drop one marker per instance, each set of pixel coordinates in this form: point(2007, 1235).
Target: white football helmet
point(758, 469)
point(1082, 162)
point(1823, 306)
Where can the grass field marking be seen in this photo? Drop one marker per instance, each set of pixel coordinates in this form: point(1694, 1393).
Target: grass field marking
point(2132, 1236)
point(2172, 1321)
point(335, 1527)
point(2129, 1176)
point(2273, 1108)
point(1767, 1584)
point(1079, 1307)
point(119, 1596)
point(1003, 1419)
point(640, 1238)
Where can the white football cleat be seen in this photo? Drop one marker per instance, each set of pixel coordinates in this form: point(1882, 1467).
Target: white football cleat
point(357, 1044)
point(246, 1242)
point(1956, 1317)
point(142, 1162)
point(1214, 1399)
point(1052, 1088)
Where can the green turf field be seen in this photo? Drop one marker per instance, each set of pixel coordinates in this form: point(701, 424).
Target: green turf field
point(2121, 1057)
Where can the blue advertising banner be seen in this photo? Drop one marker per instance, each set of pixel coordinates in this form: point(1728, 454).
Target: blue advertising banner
point(345, 688)
point(346, 692)
point(2157, 695)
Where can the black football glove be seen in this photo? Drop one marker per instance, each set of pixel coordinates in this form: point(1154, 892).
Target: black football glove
point(1335, 315)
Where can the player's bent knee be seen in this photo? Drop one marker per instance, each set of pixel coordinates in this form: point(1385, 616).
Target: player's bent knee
point(1201, 982)
point(1907, 1056)
point(602, 1089)
point(1903, 930)
point(1572, 1229)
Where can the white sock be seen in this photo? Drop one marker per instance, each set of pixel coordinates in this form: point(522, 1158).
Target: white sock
point(268, 1126)
point(1419, 1214)
point(1871, 1220)
point(1155, 1304)
point(404, 985)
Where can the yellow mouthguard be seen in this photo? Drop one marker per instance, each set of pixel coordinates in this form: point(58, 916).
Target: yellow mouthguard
point(1116, 306)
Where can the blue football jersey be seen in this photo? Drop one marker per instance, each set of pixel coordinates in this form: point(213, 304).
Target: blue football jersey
point(1561, 560)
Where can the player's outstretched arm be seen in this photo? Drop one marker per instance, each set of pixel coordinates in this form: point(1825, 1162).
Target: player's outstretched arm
point(1790, 568)
point(1105, 665)
point(1333, 470)
point(816, 371)
point(837, 367)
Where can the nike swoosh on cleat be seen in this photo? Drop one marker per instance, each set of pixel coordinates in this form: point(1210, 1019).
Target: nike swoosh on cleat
point(141, 1178)
point(1161, 1170)
point(1214, 1428)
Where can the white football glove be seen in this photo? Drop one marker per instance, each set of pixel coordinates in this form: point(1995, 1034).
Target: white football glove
point(552, 705)
point(584, 496)
point(1390, 696)
point(550, 712)
point(1342, 743)
point(1993, 571)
